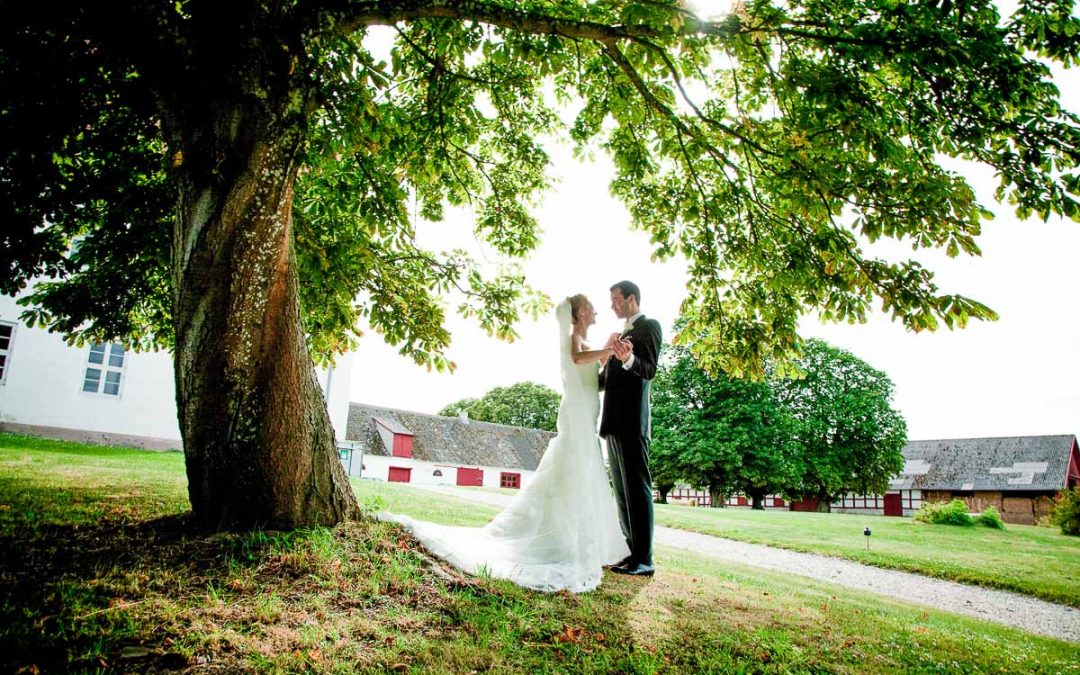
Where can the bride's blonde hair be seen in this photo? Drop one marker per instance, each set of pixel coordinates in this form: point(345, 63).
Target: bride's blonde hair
point(577, 303)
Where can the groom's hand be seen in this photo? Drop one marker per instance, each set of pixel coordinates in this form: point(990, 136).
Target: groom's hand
point(623, 349)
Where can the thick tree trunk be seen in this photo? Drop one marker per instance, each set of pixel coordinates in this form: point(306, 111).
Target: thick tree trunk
point(717, 499)
point(662, 493)
point(757, 499)
point(259, 446)
point(824, 504)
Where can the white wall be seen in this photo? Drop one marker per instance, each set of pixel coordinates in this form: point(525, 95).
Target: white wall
point(337, 405)
point(43, 387)
point(377, 467)
point(44, 377)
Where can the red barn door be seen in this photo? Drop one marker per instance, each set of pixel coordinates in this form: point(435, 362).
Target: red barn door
point(893, 505)
point(399, 475)
point(471, 477)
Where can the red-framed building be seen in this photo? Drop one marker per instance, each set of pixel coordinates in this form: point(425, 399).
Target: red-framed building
point(404, 446)
point(1019, 475)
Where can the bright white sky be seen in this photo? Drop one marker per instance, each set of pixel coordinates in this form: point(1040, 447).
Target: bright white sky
point(1019, 375)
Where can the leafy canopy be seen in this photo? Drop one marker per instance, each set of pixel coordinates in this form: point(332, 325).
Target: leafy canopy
point(766, 147)
point(726, 434)
point(525, 404)
point(849, 437)
point(828, 432)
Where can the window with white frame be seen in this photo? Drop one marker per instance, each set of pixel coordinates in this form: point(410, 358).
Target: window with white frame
point(104, 369)
point(7, 340)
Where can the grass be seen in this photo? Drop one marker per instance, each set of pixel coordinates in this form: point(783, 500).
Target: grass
point(436, 507)
point(86, 586)
point(1036, 561)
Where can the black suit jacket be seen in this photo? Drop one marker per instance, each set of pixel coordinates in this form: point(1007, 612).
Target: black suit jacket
point(626, 392)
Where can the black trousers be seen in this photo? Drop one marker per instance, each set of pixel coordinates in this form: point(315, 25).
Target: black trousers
point(630, 476)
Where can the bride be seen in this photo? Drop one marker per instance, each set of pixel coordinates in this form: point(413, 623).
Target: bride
point(562, 528)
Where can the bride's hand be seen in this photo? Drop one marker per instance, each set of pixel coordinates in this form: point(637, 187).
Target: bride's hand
point(612, 339)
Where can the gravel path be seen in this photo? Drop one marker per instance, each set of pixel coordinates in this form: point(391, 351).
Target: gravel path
point(1011, 609)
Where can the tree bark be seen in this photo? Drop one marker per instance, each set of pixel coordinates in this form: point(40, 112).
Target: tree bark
point(662, 493)
point(824, 504)
point(757, 499)
point(259, 446)
point(717, 499)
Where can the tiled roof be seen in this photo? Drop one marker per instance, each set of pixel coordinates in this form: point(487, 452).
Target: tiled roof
point(449, 440)
point(393, 426)
point(1013, 463)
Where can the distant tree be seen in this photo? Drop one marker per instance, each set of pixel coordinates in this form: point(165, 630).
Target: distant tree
point(848, 436)
point(668, 415)
point(725, 434)
point(525, 404)
point(663, 463)
point(457, 407)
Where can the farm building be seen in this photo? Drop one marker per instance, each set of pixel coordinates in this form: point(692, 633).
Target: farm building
point(1018, 475)
point(410, 447)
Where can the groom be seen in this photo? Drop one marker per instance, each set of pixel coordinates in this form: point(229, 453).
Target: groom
point(624, 423)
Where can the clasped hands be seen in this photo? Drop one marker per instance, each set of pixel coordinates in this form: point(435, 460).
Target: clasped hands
point(621, 347)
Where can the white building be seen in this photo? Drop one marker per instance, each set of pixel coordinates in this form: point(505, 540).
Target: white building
point(102, 393)
point(402, 446)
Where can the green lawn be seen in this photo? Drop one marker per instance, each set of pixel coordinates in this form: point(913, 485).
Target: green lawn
point(100, 570)
point(433, 506)
point(111, 481)
point(1038, 561)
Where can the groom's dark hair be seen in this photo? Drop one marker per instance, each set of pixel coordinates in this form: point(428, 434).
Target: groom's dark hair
point(628, 288)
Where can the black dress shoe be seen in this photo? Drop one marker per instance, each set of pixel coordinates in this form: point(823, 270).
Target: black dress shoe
point(622, 563)
point(637, 570)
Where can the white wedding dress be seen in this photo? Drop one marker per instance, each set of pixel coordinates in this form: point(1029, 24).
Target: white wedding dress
point(559, 531)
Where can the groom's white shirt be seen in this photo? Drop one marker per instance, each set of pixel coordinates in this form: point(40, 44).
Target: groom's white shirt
point(629, 363)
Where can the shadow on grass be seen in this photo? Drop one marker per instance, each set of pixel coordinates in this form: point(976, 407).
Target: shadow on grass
point(65, 589)
point(157, 594)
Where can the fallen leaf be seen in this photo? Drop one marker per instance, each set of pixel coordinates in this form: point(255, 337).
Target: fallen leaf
point(570, 634)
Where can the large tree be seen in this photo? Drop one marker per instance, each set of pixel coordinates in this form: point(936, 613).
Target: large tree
point(847, 433)
point(726, 434)
point(525, 404)
point(233, 180)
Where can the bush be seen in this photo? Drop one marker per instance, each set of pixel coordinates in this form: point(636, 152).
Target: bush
point(1066, 512)
point(945, 513)
point(991, 518)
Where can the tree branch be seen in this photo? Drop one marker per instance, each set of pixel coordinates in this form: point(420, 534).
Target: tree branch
point(356, 15)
